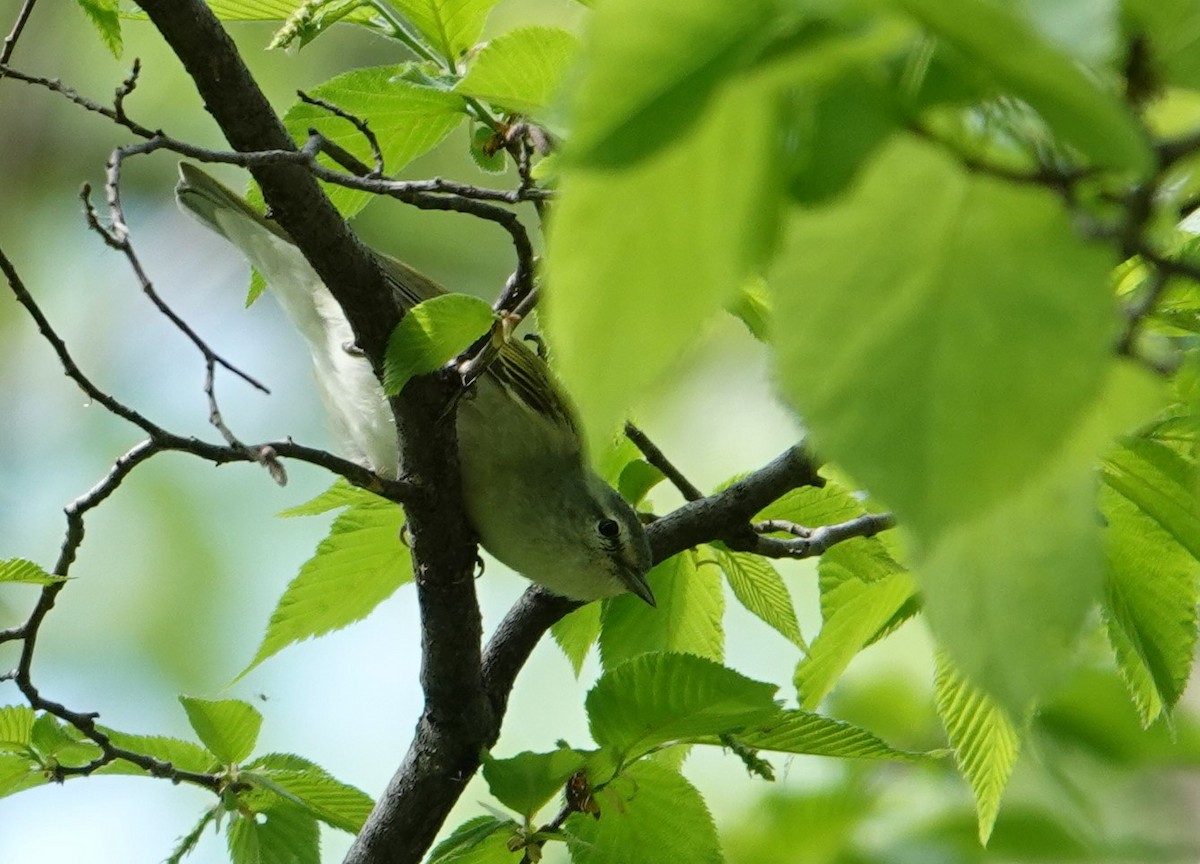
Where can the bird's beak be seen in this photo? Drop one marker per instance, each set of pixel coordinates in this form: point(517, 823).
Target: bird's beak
point(637, 584)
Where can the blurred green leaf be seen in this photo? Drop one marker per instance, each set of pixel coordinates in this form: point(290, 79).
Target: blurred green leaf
point(355, 568)
point(687, 617)
point(1007, 594)
point(227, 727)
point(809, 826)
point(971, 305)
point(998, 39)
point(1150, 606)
point(841, 123)
point(669, 242)
point(649, 69)
point(527, 781)
point(431, 334)
point(1169, 28)
point(984, 739)
point(1093, 713)
point(758, 586)
point(521, 70)
point(649, 813)
point(662, 697)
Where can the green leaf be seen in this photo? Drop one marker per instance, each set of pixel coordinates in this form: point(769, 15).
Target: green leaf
point(431, 334)
point(984, 739)
point(313, 17)
point(258, 284)
point(340, 494)
point(687, 618)
point(106, 18)
point(1007, 594)
point(335, 803)
point(657, 698)
point(1170, 30)
point(16, 728)
point(649, 69)
point(521, 71)
point(227, 727)
point(752, 306)
point(991, 312)
point(487, 152)
point(450, 26)
point(813, 506)
point(638, 477)
point(184, 755)
point(525, 782)
point(1149, 607)
point(650, 813)
point(482, 840)
point(20, 570)
point(59, 742)
point(407, 119)
point(188, 842)
point(280, 834)
point(1159, 482)
point(355, 568)
point(576, 633)
point(759, 587)
point(813, 734)
point(996, 38)
point(841, 124)
point(855, 613)
point(661, 264)
point(18, 773)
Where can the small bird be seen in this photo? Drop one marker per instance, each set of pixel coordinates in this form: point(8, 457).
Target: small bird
point(530, 494)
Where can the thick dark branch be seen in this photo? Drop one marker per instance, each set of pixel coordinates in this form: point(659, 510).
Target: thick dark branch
point(726, 516)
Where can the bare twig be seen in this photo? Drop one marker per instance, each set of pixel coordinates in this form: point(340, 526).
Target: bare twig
point(10, 41)
point(811, 542)
point(358, 123)
point(659, 460)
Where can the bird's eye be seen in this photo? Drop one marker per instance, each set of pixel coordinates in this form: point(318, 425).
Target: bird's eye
point(608, 528)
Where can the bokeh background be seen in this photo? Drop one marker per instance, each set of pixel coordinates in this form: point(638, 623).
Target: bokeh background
point(181, 568)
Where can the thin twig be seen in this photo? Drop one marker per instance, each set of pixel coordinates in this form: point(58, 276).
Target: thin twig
point(659, 460)
point(10, 41)
point(811, 542)
point(358, 123)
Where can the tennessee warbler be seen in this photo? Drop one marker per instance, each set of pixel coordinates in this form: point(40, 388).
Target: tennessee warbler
point(530, 494)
